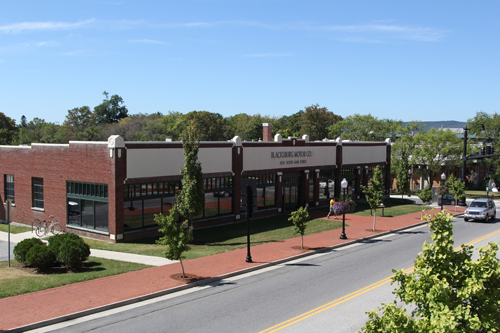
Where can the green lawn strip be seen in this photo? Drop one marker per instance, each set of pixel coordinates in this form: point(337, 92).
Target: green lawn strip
point(15, 282)
point(474, 194)
point(14, 229)
point(224, 238)
point(393, 207)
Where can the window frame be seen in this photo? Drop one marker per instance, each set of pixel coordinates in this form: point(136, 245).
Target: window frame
point(37, 190)
point(9, 187)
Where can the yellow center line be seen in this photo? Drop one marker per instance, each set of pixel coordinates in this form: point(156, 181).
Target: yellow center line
point(354, 294)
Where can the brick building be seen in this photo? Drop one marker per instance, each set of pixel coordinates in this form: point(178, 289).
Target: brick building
point(111, 190)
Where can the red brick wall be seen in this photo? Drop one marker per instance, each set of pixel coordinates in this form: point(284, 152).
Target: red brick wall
point(56, 164)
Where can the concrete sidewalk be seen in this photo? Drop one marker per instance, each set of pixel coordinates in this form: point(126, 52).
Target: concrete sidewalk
point(80, 299)
point(122, 256)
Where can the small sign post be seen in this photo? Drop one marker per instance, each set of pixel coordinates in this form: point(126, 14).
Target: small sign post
point(7, 219)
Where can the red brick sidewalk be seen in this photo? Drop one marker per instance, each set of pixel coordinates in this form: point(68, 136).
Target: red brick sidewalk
point(57, 302)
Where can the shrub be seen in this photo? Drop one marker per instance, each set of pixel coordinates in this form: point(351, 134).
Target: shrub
point(73, 252)
point(56, 241)
point(22, 248)
point(40, 257)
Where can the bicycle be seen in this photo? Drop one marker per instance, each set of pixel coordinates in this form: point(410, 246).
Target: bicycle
point(44, 227)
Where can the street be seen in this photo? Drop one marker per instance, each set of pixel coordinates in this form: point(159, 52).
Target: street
point(328, 292)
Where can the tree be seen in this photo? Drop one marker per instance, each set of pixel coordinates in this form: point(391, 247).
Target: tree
point(402, 156)
point(315, 121)
point(457, 186)
point(7, 129)
point(176, 236)
point(426, 196)
point(366, 128)
point(486, 127)
point(437, 148)
point(208, 126)
point(448, 291)
point(289, 125)
point(375, 192)
point(111, 110)
point(299, 219)
point(192, 196)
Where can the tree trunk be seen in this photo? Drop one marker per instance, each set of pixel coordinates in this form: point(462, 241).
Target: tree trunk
point(374, 217)
point(302, 243)
point(182, 266)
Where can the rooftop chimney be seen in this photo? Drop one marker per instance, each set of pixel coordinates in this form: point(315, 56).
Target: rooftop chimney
point(267, 132)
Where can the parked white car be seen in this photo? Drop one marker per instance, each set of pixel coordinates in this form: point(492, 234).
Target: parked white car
point(331, 184)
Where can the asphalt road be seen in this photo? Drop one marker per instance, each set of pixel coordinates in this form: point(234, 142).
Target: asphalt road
point(336, 286)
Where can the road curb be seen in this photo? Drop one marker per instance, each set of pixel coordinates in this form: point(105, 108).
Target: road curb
point(203, 282)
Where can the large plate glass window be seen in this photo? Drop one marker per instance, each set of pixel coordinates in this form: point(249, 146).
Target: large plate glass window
point(266, 190)
point(87, 205)
point(142, 201)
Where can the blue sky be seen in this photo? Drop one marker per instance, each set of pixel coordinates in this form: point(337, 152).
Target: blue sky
point(404, 60)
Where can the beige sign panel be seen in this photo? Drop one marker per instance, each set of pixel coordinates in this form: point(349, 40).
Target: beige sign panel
point(264, 158)
point(168, 162)
point(363, 154)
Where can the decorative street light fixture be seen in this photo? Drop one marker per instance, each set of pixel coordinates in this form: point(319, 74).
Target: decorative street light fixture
point(443, 178)
point(343, 184)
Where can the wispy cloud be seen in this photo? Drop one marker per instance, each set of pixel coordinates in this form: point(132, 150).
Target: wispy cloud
point(380, 32)
point(268, 55)
point(147, 41)
point(47, 43)
point(37, 26)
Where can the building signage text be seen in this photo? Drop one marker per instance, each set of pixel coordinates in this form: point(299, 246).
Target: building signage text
point(292, 155)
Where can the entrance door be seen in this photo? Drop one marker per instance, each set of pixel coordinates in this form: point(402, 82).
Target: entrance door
point(290, 197)
point(291, 191)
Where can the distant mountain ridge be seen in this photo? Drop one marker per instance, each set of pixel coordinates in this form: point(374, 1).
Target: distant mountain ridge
point(441, 124)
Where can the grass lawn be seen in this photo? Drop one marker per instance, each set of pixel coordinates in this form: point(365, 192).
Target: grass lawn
point(474, 194)
point(393, 207)
point(14, 229)
point(224, 238)
point(17, 282)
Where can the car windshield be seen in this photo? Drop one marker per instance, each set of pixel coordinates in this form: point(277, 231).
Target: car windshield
point(478, 204)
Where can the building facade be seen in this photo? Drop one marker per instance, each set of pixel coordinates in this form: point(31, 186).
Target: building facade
point(112, 190)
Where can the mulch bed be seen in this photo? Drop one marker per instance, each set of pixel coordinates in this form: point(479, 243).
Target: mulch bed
point(187, 279)
point(53, 270)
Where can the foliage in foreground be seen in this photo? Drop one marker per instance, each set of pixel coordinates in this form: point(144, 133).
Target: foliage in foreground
point(448, 291)
point(176, 236)
point(299, 219)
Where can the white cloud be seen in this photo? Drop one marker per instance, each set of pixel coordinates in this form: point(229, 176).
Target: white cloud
point(37, 26)
point(367, 33)
point(372, 32)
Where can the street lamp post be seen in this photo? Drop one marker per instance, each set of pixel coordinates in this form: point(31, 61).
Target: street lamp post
point(443, 178)
point(344, 187)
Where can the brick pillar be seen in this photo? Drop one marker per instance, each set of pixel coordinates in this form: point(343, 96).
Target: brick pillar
point(267, 132)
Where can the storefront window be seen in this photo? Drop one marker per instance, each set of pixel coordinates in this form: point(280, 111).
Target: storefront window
point(327, 184)
point(87, 205)
point(266, 190)
point(143, 201)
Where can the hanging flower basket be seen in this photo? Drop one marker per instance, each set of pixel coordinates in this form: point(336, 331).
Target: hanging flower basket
point(441, 191)
point(344, 207)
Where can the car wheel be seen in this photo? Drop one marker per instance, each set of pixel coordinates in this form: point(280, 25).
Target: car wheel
point(466, 219)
